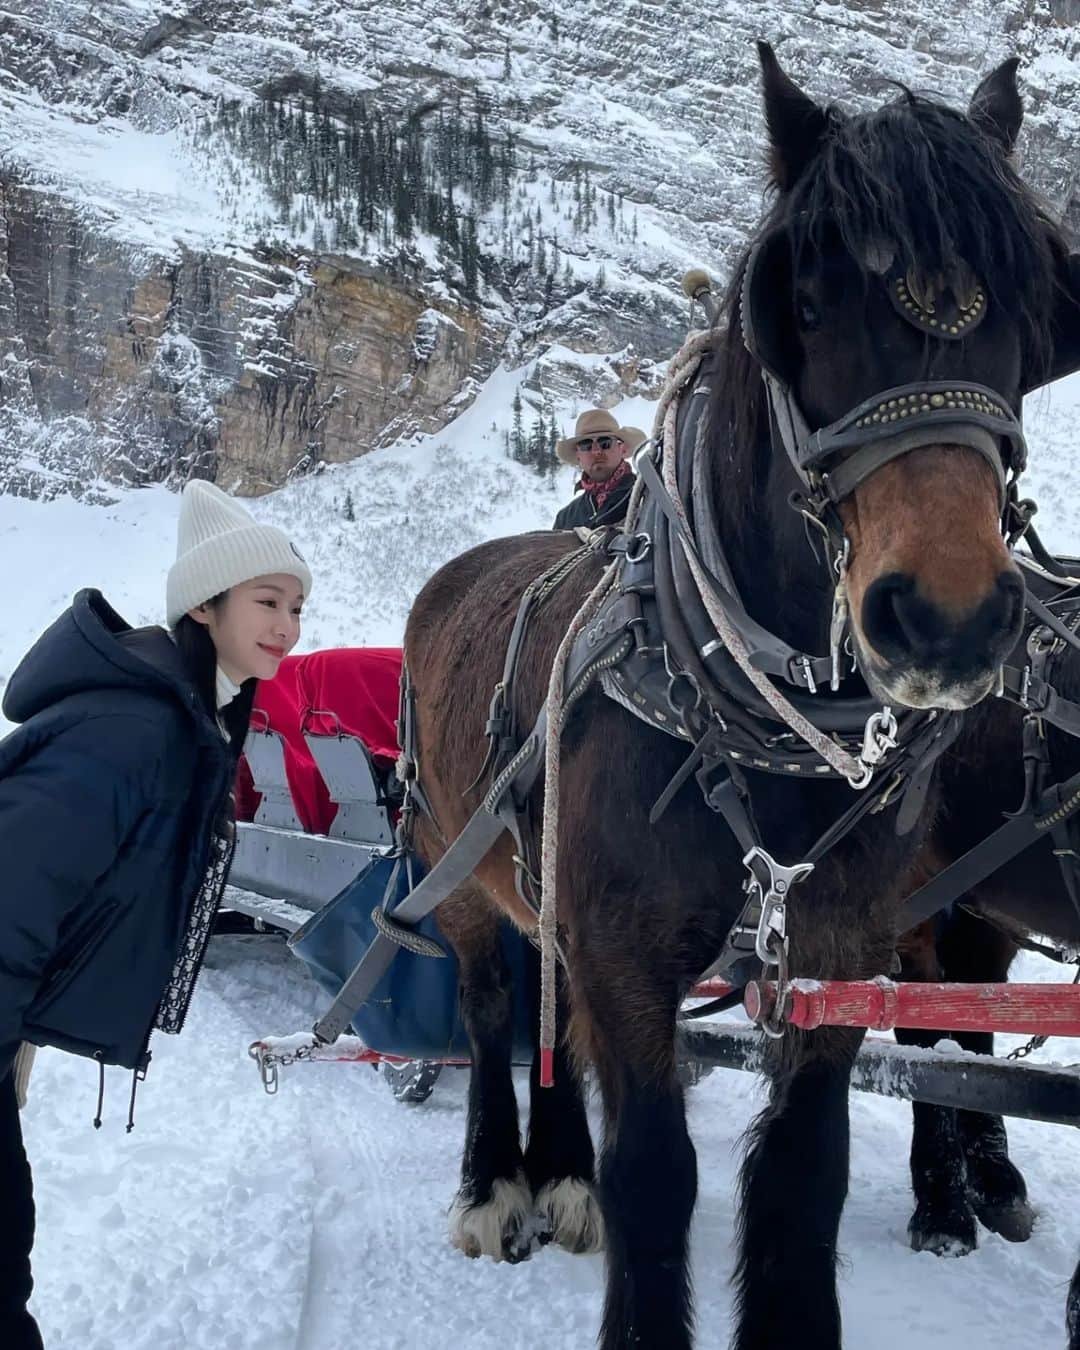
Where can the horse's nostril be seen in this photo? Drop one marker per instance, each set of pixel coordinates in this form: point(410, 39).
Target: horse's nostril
point(890, 618)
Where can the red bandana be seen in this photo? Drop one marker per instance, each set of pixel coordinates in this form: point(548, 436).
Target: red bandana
point(600, 492)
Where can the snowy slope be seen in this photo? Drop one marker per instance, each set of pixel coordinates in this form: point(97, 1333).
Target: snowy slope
point(108, 102)
point(417, 505)
point(638, 150)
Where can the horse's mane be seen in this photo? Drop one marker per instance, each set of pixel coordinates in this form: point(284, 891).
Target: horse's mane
point(924, 178)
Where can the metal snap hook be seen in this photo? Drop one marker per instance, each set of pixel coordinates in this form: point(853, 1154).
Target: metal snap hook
point(639, 548)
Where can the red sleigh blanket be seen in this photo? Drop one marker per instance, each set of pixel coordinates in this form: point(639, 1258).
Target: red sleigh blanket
point(352, 689)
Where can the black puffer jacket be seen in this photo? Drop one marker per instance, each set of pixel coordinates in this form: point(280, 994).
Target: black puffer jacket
point(109, 792)
point(582, 510)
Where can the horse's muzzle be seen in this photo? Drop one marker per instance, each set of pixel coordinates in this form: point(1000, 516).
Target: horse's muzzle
point(922, 656)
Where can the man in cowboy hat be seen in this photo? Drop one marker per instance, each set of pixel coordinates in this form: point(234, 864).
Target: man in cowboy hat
point(599, 447)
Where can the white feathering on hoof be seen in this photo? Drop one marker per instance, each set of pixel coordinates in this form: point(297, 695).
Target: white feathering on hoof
point(501, 1227)
point(569, 1210)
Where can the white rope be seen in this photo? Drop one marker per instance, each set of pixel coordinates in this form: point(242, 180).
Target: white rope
point(681, 370)
point(549, 834)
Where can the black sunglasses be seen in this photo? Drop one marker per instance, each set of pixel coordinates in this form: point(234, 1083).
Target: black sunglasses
point(597, 442)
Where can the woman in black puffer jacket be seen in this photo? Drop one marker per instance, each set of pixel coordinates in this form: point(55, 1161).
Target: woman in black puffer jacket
point(115, 819)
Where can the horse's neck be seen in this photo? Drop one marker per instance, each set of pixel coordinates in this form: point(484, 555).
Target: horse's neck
point(783, 585)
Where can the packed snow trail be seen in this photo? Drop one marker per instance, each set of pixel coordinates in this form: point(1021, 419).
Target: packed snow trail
point(316, 1220)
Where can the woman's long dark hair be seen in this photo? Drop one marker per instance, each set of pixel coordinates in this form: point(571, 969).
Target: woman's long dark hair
point(199, 654)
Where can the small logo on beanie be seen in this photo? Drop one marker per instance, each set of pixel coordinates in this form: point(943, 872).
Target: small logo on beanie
point(297, 552)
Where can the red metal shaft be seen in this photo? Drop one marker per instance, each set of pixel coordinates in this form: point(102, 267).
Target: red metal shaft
point(710, 989)
point(1026, 1009)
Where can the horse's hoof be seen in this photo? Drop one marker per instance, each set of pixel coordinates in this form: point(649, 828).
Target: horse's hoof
point(500, 1227)
point(944, 1233)
point(997, 1193)
point(1012, 1219)
point(569, 1215)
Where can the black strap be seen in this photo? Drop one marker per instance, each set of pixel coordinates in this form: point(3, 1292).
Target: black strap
point(500, 728)
point(1046, 559)
point(456, 864)
point(1051, 620)
point(1034, 694)
point(731, 799)
point(1007, 842)
point(767, 652)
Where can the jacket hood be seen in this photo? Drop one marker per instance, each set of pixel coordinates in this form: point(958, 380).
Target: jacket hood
point(91, 647)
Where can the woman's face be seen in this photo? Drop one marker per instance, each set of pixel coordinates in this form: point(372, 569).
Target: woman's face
point(255, 626)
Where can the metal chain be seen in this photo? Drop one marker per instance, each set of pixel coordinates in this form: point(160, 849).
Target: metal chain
point(1036, 1042)
point(269, 1061)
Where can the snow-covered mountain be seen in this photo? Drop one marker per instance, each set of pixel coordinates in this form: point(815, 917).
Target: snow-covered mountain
point(249, 239)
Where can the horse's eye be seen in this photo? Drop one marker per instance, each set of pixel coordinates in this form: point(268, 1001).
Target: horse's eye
point(807, 313)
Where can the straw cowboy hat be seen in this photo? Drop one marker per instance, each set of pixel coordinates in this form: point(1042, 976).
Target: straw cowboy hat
point(596, 422)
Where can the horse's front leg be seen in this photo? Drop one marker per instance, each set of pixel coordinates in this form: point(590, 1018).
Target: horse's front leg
point(943, 1221)
point(492, 1214)
point(648, 1168)
point(794, 1184)
point(559, 1159)
point(974, 952)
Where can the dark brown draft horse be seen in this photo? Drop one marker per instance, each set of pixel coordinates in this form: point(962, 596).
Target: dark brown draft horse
point(935, 606)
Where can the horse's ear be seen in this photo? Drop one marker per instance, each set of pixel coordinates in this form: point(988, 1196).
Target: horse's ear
point(796, 123)
point(996, 106)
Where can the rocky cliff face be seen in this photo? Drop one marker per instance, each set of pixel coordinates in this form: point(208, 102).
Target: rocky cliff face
point(243, 367)
point(166, 308)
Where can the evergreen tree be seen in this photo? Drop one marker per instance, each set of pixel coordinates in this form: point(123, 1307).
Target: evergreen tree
point(470, 257)
point(517, 435)
point(552, 439)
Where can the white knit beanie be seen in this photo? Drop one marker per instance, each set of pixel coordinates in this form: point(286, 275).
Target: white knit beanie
point(218, 545)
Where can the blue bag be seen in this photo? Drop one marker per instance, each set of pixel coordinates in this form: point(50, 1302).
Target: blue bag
point(413, 1010)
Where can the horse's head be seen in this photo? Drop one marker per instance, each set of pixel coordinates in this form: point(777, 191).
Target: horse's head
point(903, 263)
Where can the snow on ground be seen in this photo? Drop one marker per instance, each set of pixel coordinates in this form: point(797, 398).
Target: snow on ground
point(316, 1220)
